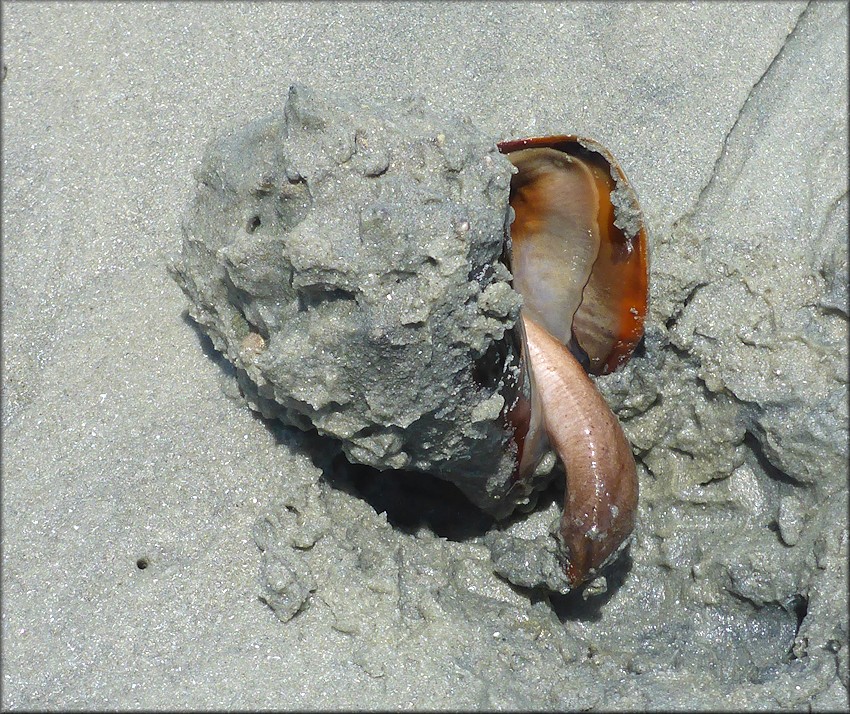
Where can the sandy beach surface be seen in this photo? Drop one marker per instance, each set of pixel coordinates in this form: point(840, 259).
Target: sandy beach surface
point(148, 515)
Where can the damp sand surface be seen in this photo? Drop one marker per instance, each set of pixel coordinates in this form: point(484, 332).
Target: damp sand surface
point(149, 517)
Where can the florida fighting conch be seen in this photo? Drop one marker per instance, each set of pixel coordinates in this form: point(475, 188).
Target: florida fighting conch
point(430, 300)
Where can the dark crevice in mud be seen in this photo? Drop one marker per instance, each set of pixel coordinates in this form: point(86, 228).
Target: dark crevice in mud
point(552, 492)
point(671, 321)
point(489, 370)
point(241, 301)
point(411, 500)
point(253, 224)
point(799, 605)
point(752, 442)
point(639, 351)
point(313, 296)
point(684, 355)
point(833, 311)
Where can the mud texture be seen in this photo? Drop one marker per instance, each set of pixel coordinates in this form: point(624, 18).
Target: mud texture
point(347, 260)
point(733, 593)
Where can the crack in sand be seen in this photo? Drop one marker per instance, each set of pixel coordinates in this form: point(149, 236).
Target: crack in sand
point(721, 155)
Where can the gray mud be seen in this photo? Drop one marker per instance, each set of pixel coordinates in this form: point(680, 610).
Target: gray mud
point(357, 296)
point(164, 549)
point(347, 260)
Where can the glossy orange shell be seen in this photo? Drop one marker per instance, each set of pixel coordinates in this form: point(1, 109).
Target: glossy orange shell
point(609, 323)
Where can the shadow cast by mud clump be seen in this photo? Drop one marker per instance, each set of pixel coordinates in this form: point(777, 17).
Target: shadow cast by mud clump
point(412, 500)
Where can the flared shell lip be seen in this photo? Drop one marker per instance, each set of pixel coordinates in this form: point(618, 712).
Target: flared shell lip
point(632, 312)
point(554, 142)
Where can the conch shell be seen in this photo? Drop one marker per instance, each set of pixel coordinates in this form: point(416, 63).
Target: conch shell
point(579, 258)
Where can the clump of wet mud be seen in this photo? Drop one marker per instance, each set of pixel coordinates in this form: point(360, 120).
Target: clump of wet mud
point(347, 260)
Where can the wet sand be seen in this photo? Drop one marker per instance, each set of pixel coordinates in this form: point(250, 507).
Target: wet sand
point(135, 487)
